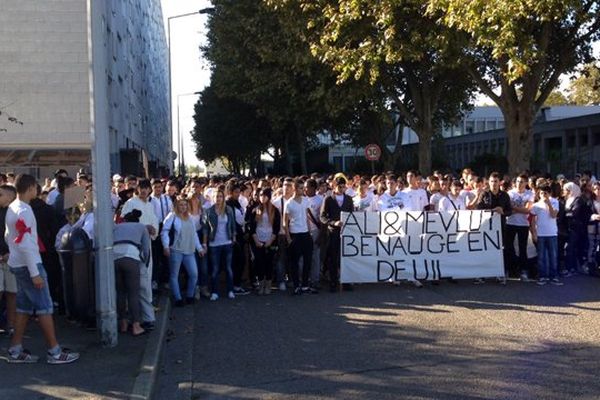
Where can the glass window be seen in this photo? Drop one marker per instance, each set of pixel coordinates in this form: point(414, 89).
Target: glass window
point(480, 126)
point(490, 124)
point(500, 124)
point(349, 161)
point(470, 127)
point(338, 163)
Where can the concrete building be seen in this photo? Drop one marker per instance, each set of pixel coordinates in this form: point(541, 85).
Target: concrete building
point(45, 84)
point(566, 139)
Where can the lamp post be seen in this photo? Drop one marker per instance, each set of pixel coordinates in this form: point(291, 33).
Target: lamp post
point(179, 137)
point(208, 10)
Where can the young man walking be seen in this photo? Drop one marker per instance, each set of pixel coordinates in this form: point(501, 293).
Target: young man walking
point(33, 295)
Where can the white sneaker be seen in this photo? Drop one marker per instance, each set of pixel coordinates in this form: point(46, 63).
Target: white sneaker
point(282, 286)
point(525, 277)
point(23, 357)
point(231, 295)
point(479, 281)
point(65, 356)
point(417, 284)
point(214, 297)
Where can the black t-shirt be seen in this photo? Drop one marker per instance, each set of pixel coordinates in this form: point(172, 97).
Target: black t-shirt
point(3, 245)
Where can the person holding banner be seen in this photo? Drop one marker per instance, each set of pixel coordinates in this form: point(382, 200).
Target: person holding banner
point(499, 202)
point(331, 210)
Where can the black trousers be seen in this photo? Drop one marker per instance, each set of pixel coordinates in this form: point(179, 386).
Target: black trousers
point(333, 258)
point(301, 246)
point(127, 278)
point(238, 261)
point(516, 264)
point(55, 284)
point(160, 264)
point(263, 262)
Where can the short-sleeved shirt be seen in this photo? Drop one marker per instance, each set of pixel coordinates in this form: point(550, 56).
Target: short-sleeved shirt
point(416, 199)
point(396, 202)
point(519, 200)
point(545, 224)
point(297, 212)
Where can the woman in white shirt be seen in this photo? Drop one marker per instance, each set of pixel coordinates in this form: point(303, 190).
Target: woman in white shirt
point(180, 240)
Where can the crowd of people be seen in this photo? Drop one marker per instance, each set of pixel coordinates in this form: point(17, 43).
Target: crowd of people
point(276, 233)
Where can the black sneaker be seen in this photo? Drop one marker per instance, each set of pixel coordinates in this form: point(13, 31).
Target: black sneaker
point(179, 303)
point(313, 290)
point(148, 326)
point(190, 300)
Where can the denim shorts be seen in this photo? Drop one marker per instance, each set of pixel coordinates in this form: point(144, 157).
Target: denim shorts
point(29, 299)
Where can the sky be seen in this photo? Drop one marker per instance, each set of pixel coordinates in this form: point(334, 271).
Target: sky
point(190, 73)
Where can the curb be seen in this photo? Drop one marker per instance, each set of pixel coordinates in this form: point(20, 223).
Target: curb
point(143, 387)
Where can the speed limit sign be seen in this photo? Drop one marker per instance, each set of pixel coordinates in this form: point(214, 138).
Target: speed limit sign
point(372, 152)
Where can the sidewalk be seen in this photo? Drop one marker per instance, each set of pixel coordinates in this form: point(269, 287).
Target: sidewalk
point(100, 373)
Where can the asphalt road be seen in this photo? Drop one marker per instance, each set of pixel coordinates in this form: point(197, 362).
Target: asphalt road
point(453, 341)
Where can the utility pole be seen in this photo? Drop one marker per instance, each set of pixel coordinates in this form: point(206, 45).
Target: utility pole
point(106, 316)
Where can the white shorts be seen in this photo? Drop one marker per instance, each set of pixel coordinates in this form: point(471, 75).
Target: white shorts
point(8, 282)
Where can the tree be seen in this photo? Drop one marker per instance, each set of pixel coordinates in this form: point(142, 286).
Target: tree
point(556, 98)
point(521, 48)
point(585, 89)
point(230, 128)
point(262, 58)
point(393, 44)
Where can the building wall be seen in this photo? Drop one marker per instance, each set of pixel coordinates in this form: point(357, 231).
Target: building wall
point(44, 81)
point(44, 74)
point(137, 79)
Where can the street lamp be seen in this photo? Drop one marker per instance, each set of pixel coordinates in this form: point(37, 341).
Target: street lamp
point(179, 138)
point(208, 10)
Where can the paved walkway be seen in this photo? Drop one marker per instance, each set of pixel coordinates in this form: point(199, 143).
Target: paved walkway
point(453, 341)
point(100, 373)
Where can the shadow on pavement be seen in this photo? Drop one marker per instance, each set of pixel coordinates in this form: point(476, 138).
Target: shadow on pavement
point(383, 342)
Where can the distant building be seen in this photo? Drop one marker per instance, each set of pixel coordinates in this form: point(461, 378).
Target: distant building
point(45, 82)
point(566, 139)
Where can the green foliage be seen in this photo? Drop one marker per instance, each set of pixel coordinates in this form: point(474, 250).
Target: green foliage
point(521, 47)
point(556, 98)
point(392, 44)
point(585, 89)
point(230, 128)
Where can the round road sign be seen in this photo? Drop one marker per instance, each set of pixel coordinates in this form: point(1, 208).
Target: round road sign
point(372, 152)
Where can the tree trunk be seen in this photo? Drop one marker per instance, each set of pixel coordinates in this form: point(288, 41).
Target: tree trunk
point(425, 142)
point(519, 135)
point(301, 151)
point(286, 151)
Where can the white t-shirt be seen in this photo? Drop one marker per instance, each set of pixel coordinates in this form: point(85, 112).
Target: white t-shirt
point(364, 203)
point(434, 201)
point(315, 207)
point(297, 212)
point(545, 224)
point(417, 199)
point(396, 202)
point(350, 191)
point(519, 200)
point(221, 237)
point(451, 203)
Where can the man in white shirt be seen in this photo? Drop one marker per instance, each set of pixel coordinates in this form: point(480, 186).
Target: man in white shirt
point(314, 224)
point(295, 223)
point(517, 225)
point(417, 196)
point(163, 205)
point(392, 199)
point(141, 201)
point(282, 266)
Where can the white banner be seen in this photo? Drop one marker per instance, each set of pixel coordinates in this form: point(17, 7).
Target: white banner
point(396, 245)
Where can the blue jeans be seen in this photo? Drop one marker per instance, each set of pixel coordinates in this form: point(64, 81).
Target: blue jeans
point(218, 254)
point(31, 300)
point(189, 262)
point(202, 270)
point(547, 248)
